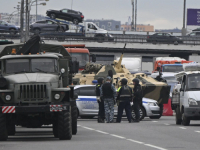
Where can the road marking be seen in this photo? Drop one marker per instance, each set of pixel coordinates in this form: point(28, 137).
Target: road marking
point(135, 141)
point(154, 121)
point(197, 131)
point(88, 128)
point(78, 125)
point(121, 137)
point(182, 128)
point(166, 124)
point(153, 146)
point(101, 132)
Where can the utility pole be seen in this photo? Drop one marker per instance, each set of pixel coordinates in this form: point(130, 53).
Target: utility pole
point(18, 8)
point(36, 10)
point(132, 23)
point(135, 15)
point(22, 40)
point(184, 12)
point(26, 28)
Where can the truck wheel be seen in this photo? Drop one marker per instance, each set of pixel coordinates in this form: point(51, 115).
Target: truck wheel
point(64, 125)
point(55, 130)
point(178, 116)
point(185, 120)
point(100, 38)
point(75, 21)
point(74, 115)
point(53, 16)
point(11, 129)
point(3, 130)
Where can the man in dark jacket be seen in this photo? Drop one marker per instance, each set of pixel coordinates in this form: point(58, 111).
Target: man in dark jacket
point(124, 98)
point(137, 99)
point(101, 114)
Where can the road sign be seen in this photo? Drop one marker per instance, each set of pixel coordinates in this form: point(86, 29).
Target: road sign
point(193, 17)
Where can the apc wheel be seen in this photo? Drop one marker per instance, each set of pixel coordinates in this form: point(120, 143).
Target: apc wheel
point(185, 120)
point(74, 115)
point(64, 125)
point(55, 130)
point(178, 116)
point(3, 130)
point(11, 129)
point(75, 21)
point(142, 113)
point(53, 16)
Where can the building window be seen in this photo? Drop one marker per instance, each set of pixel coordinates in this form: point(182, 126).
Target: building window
point(122, 28)
point(109, 24)
point(97, 23)
point(103, 26)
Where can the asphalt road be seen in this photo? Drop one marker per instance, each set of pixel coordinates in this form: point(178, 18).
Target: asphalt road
point(149, 134)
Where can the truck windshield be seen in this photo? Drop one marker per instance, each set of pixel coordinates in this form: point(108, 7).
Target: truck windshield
point(17, 66)
point(193, 82)
point(172, 68)
point(44, 65)
point(83, 58)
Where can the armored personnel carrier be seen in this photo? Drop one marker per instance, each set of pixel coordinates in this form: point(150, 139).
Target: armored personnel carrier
point(152, 88)
point(35, 88)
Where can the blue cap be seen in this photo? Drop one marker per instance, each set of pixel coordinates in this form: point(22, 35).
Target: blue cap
point(94, 81)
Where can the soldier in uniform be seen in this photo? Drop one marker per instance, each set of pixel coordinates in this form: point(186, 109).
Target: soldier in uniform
point(124, 97)
point(101, 114)
point(108, 94)
point(137, 99)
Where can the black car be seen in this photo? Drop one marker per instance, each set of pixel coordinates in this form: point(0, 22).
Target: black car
point(48, 26)
point(66, 14)
point(163, 38)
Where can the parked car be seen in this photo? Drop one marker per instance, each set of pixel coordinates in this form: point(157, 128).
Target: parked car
point(194, 34)
point(47, 25)
point(163, 38)
point(5, 27)
point(88, 107)
point(67, 14)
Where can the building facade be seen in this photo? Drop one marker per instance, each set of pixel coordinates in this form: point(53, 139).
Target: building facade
point(110, 25)
point(139, 27)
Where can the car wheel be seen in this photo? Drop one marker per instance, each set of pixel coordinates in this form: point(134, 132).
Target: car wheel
point(185, 120)
point(178, 116)
point(75, 21)
point(52, 16)
point(154, 42)
point(37, 31)
point(155, 117)
point(142, 113)
point(12, 31)
point(175, 42)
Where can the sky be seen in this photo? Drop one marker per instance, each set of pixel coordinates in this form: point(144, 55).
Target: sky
point(163, 14)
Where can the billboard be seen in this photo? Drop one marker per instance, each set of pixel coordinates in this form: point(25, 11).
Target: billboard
point(193, 17)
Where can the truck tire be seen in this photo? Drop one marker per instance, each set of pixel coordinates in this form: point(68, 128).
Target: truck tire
point(185, 120)
point(55, 129)
point(3, 130)
point(100, 38)
point(11, 129)
point(178, 116)
point(74, 115)
point(64, 125)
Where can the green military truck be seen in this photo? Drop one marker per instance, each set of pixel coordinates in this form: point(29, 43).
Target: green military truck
point(35, 90)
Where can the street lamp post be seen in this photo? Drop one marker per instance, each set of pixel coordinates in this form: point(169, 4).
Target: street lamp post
point(184, 12)
point(22, 22)
point(135, 15)
point(132, 23)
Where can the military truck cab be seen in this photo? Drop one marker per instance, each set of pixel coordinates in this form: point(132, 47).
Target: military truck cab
point(186, 95)
point(35, 90)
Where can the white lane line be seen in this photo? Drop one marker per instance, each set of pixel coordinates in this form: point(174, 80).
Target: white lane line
point(197, 131)
point(153, 146)
point(78, 125)
point(182, 128)
point(166, 124)
point(101, 132)
point(121, 137)
point(154, 121)
point(135, 141)
point(88, 128)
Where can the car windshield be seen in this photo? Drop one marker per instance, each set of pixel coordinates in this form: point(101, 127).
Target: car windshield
point(83, 58)
point(17, 66)
point(46, 65)
point(173, 68)
point(172, 84)
point(193, 82)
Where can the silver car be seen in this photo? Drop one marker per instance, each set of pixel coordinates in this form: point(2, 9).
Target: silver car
point(88, 106)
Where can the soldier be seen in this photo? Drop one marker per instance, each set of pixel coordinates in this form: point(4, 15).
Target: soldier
point(124, 97)
point(101, 114)
point(137, 99)
point(108, 94)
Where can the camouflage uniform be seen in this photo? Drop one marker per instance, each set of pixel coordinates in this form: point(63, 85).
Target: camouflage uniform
point(109, 103)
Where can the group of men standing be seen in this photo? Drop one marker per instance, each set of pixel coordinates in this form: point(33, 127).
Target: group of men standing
point(107, 97)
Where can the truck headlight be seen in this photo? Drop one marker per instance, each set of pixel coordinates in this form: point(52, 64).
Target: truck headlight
point(192, 101)
point(152, 104)
point(57, 96)
point(8, 97)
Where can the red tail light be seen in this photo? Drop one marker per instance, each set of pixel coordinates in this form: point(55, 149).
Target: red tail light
point(82, 16)
point(147, 37)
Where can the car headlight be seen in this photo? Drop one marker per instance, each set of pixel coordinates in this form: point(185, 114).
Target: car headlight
point(8, 97)
point(57, 96)
point(192, 101)
point(152, 104)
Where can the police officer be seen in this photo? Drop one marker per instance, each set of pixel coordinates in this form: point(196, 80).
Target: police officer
point(137, 99)
point(124, 97)
point(108, 94)
point(101, 114)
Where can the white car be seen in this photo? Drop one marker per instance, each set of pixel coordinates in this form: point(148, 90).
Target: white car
point(88, 106)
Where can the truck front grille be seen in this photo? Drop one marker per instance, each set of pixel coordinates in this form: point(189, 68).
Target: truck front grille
point(32, 92)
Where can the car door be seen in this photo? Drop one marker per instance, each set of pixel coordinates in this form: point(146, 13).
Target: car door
point(87, 101)
point(64, 14)
point(158, 37)
point(3, 26)
point(41, 25)
point(51, 25)
point(167, 38)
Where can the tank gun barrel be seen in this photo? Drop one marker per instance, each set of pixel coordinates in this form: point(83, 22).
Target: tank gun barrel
point(119, 63)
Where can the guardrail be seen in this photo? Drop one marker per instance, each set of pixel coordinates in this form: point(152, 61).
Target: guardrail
point(117, 38)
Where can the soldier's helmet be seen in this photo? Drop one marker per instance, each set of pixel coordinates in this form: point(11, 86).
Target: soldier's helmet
point(100, 80)
point(108, 78)
point(124, 81)
point(136, 81)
